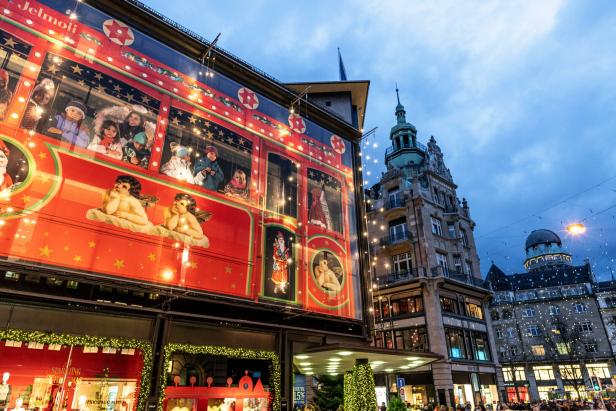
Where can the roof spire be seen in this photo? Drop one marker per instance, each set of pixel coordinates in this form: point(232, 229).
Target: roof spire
point(400, 112)
point(341, 69)
point(397, 94)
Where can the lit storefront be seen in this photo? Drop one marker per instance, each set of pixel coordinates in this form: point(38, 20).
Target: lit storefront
point(474, 388)
point(174, 230)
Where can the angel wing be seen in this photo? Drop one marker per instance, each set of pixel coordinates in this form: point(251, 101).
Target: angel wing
point(148, 200)
point(203, 216)
point(115, 113)
point(337, 270)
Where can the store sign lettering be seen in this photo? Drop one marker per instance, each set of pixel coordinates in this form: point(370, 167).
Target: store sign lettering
point(38, 12)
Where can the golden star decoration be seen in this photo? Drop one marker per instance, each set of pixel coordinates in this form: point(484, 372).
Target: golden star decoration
point(119, 263)
point(91, 244)
point(10, 42)
point(98, 76)
point(77, 259)
point(45, 251)
point(227, 270)
point(52, 69)
point(76, 69)
point(42, 155)
point(152, 257)
point(26, 199)
point(192, 264)
point(44, 178)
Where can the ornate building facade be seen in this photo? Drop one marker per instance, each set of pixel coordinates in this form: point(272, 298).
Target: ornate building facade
point(549, 324)
point(427, 287)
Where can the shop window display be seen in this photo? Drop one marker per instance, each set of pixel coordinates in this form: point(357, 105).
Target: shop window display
point(325, 201)
point(53, 377)
point(204, 381)
point(13, 53)
point(207, 154)
point(86, 108)
point(281, 196)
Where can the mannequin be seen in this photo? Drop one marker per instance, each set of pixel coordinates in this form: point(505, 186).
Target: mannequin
point(19, 405)
point(5, 391)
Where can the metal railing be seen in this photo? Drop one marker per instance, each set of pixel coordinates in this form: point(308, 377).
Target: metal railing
point(440, 271)
point(395, 238)
point(395, 202)
point(394, 277)
point(418, 145)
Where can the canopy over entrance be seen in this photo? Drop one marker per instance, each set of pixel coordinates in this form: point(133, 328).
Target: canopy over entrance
point(336, 359)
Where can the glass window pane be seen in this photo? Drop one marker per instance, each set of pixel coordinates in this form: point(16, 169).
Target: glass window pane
point(281, 196)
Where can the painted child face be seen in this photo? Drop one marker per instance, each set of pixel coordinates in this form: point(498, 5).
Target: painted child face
point(4, 160)
point(110, 132)
point(181, 206)
point(211, 156)
point(280, 242)
point(2, 83)
point(134, 119)
point(138, 146)
point(122, 188)
point(240, 179)
point(73, 114)
point(43, 98)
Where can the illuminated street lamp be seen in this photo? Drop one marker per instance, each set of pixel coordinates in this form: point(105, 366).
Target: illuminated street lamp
point(576, 229)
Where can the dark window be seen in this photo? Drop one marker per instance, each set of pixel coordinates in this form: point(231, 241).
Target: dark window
point(281, 185)
point(409, 305)
point(449, 305)
point(494, 314)
point(481, 347)
point(455, 343)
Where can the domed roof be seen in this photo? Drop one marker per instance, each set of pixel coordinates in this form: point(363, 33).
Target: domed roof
point(542, 236)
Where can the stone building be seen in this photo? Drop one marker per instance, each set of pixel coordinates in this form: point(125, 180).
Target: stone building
point(605, 292)
point(428, 292)
point(548, 327)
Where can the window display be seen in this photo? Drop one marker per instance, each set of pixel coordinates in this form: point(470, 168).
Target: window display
point(55, 377)
point(128, 164)
point(220, 379)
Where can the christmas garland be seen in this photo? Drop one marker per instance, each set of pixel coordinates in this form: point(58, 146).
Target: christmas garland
point(348, 390)
point(87, 340)
point(274, 364)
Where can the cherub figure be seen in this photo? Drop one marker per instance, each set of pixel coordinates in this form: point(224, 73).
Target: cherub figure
point(183, 221)
point(124, 206)
point(325, 277)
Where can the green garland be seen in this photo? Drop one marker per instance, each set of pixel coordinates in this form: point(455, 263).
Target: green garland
point(87, 340)
point(249, 354)
point(363, 394)
point(348, 391)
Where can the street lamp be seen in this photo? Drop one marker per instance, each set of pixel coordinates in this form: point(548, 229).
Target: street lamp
point(576, 229)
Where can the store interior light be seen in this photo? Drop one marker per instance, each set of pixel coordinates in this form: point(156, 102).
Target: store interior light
point(345, 353)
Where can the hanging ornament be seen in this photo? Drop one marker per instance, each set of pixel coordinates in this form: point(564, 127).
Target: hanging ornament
point(118, 32)
point(297, 123)
point(248, 98)
point(337, 144)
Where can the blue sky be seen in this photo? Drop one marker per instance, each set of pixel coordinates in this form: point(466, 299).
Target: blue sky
point(520, 95)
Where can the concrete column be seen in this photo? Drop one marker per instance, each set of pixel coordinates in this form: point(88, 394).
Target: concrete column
point(441, 371)
point(500, 380)
point(533, 391)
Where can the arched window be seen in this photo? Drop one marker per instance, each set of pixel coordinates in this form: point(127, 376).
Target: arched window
point(506, 315)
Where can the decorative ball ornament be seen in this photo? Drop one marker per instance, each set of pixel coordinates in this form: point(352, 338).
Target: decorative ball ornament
point(209, 381)
point(337, 144)
point(229, 382)
point(193, 380)
point(176, 380)
point(248, 98)
point(297, 123)
point(118, 32)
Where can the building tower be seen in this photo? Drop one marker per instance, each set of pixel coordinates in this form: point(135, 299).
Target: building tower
point(428, 291)
point(551, 324)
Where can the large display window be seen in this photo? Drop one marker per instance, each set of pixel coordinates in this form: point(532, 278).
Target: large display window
point(50, 372)
point(220, 379)
point(123, 158)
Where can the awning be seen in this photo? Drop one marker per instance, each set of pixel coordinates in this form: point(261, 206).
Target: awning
point(333, 359)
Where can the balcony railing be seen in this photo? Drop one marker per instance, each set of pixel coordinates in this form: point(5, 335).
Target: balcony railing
point(395, 238)
point(440, 271)
point(417, 145)
point(395, 202)
point(398, 276)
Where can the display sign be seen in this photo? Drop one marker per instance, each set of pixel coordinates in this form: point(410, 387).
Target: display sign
point(117, 159)
point(54, 377)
